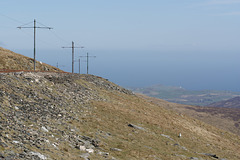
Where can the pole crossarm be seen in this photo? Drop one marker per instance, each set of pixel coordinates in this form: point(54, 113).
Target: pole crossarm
point(34, 30)
point(71, 47)
point(36, 27)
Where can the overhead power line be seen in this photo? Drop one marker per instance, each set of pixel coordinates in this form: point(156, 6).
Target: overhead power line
point(12, 19)
point(34, 30)
point(58, 37)
point(25, 24)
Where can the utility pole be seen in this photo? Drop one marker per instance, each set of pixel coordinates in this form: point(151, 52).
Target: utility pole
point(34, 43)
point(79, 64)
point(88, 60)
point(72, 54)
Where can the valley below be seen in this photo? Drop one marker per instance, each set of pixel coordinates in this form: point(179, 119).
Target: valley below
point(184, 96)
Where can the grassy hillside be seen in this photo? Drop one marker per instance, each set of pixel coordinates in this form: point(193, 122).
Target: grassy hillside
point(13, 61)
point(69, 116)
point(224, 118)
point(184, 96)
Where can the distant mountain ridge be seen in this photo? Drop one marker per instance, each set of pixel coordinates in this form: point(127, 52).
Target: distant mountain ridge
point(184, 96)
point(230, 103)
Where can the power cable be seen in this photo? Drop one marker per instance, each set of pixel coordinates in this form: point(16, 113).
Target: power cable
point(54, 33)
point(58, 37)
point(13, 19)
point(26, 24)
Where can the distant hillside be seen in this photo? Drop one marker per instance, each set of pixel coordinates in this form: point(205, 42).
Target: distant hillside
point(231, 103)
point(224, 118)
point(183, 96)
point(61, 116)
point(13, 61)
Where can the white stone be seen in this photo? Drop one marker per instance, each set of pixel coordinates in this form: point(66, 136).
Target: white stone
point(82, 148)
point(16, 142)
point(39, 155)
point(180, 135)
point(44, 129)
point(90, 150)
point(54, 145)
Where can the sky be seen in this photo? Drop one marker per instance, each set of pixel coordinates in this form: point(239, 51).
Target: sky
point(189, 43)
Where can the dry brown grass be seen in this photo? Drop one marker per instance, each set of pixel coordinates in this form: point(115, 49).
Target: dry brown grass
point(223, 118)
point(13, 61)
point(115, 115)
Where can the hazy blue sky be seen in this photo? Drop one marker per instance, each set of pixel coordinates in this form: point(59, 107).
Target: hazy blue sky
point(188, 43)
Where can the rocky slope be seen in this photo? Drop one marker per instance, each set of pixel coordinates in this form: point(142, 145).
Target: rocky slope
point(70, 116)
point(13, 61)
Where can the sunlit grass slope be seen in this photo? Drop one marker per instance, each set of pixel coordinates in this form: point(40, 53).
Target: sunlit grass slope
point(13, 61)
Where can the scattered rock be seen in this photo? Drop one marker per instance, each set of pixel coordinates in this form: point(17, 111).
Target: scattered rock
point(180, 135)
point(85, 156)
point(44, 129)
point(90, 150)
point(194, 158)
point(182, 147)
point(39, 155)
point(166, 136)
point(136, 127)
point(37, 111)
point(16, 142)
point(211, 155)
point(1, 155)
point(116, 149)
point(82, 148)
point(104, 154)
point(3, 144)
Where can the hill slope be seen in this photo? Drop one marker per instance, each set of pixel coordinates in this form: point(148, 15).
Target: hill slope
point(13, 61)
point(67, 116)
point(224, 118)
point(230, 103)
